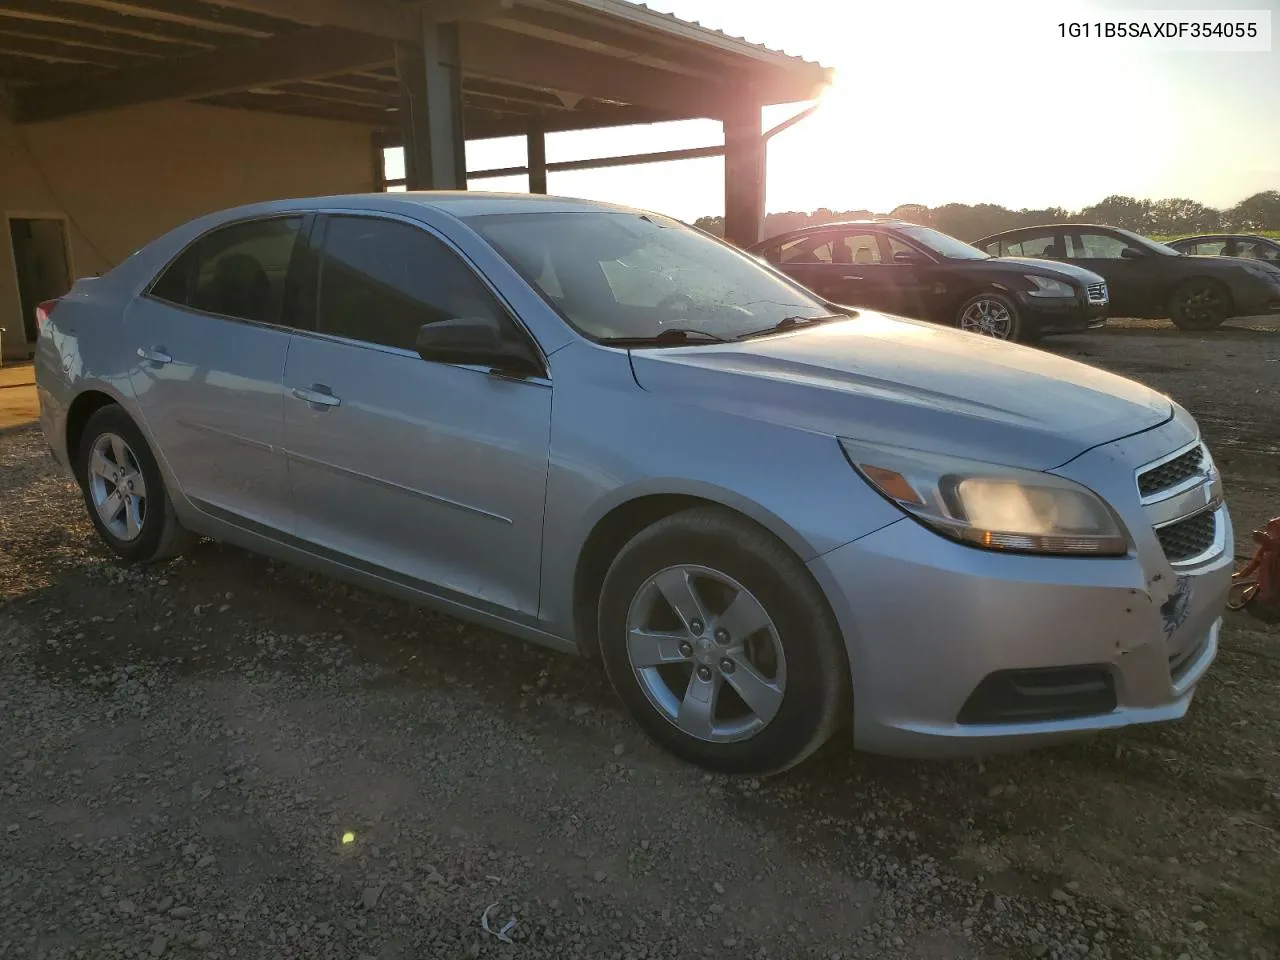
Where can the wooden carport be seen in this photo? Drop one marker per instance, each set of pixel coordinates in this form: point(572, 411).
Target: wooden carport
point(429, 74)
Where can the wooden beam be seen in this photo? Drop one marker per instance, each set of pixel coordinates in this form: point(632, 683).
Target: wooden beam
point(295, 106)
point(193, 13)
point(389, 19)
point(486, 128)
point(596, 163)
point(301, 55)
point(31, 70)
point(111, 21)
point(55, 52)
point(78, 36)
point(528, 61)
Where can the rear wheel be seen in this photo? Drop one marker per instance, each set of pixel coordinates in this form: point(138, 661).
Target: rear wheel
point(1200, 304)
point(991, 315)
point(720, 644)
point(125, 492)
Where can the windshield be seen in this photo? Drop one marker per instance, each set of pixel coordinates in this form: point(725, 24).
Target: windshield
point(943, 244)
point(630, 276)
point(1138, 240)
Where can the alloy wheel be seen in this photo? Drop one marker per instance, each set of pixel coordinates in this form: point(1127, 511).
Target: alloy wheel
point(706, 653)
point(988, 317)
point(117, 487)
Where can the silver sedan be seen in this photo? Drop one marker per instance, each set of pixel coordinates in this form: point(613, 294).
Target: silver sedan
point(769, 516)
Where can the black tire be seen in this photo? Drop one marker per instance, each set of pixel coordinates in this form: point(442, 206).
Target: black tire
point(1200, 304)
point(1017, 333)
point(817, 695)
point(161, 535)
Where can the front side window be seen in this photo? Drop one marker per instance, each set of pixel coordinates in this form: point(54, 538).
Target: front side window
point(381, 280)
point(1257, 250)
point(628, 275)
point(235, 271)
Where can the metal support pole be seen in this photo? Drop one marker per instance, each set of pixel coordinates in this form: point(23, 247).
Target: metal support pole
point(744, 176)
point(431, 107)
point(536, 141)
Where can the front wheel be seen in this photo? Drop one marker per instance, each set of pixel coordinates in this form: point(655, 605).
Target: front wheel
point(1200, 305)
point(720, 644)
point(991, 315)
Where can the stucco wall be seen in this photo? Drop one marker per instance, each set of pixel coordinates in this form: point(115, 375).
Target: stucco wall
point(124, 177)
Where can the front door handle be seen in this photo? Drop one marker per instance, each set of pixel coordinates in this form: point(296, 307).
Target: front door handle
point(852, 277)
point(318, 395)
point(154, 355)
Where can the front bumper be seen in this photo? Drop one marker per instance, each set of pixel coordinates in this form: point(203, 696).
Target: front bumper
point(1052, 315)
point(926, 621)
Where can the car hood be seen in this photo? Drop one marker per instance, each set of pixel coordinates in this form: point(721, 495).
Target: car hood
point(910, 384)
point(1047, 268)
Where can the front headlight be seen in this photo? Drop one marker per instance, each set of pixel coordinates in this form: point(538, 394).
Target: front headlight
point(991, 506)
point(1048, 287)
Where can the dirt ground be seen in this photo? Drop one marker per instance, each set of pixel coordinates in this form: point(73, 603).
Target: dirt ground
point(226, 757)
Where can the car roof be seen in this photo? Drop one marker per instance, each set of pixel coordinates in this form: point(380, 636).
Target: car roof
point(456, 203)
point(831, 225)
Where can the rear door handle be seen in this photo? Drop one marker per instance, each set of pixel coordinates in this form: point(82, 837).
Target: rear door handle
point(154, 355)
point(319, 395)
point(852, 277)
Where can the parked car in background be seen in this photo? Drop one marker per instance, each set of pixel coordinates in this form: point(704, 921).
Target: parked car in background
point(914, 271)
point(1149, 279)
point(1230, 245)
point(768, 518)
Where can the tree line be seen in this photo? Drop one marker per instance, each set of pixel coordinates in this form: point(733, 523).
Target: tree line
point(1164, 218)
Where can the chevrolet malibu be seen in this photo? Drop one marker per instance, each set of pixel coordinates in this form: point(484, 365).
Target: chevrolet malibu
point(595, 428)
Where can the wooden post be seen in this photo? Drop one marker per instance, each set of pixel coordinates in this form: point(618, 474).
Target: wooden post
point(536, 141)
point(744, 176)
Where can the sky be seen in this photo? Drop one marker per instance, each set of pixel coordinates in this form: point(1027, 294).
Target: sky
point(969, 101)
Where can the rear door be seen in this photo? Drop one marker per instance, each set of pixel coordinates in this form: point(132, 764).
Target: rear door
point(430, 474)
point(210, 338)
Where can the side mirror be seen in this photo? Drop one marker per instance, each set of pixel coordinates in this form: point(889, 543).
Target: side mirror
point(1132, 253)
point(907, 256)
point(474, 343)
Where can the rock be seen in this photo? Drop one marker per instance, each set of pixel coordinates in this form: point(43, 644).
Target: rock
point(203, 940)
point(1060, 895)
point(370, 896)
point(618, 749)
point(181, 913)
point(718, 887)
point(158, 946)
point(127, 908)
point(601, 876)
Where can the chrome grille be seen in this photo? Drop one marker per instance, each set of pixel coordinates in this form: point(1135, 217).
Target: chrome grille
point(1189, 537)
point(1172, 473)
point(1097, 292)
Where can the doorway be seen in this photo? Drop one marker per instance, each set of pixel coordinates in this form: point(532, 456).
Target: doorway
point(42, 264)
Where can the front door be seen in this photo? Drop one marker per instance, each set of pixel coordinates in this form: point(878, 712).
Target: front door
point(208, 344)
point(430, 473)
point(1133, 280)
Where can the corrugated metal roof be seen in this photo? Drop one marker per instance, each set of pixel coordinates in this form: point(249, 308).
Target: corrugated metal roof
point(641, 14)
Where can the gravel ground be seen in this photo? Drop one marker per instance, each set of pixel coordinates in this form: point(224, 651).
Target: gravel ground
point(226, 757)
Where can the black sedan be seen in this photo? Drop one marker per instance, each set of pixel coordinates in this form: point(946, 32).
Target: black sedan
point(918, 272)
point(1229, 245)
point(1149, 279)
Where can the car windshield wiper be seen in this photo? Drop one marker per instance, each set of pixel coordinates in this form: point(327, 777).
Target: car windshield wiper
point(790, 323)
point(668, 335)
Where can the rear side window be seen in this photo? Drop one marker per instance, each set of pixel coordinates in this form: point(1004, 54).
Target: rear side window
point(381, 280)
point(237, 271)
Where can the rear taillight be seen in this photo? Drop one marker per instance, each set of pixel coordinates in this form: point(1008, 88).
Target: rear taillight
point(44, 312)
